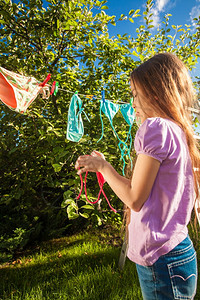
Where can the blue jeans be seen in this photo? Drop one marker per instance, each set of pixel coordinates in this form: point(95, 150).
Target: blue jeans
point(172, 276)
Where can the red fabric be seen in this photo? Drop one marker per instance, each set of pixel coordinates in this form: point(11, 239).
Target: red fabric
point(101, 182)
point(5, 90)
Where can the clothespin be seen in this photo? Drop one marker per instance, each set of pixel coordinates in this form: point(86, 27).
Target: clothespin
point(46, 80)
point(53, 88)
point(131, 101)
point(76, 93)
point(89, 96)
point(103, 96)
point(56, 88)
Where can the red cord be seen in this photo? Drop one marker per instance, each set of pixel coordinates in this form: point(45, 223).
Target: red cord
point(81, 178)
point(101, 182)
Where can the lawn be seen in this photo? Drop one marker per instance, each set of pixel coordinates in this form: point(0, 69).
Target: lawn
point(81, 266)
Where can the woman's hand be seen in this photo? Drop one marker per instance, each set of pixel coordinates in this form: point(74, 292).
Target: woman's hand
point(91, 163)
point(96, 153)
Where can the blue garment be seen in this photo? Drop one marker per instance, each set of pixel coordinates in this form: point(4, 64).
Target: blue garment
point(128, 113)
point(172, 276)
point(110, 109)
point(129, 116)
point(75, 129)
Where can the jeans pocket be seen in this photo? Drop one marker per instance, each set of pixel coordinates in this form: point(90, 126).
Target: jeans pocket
point(183, 276)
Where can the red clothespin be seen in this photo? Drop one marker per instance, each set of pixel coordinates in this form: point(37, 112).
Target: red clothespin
point(53, 88)
point(45, 81)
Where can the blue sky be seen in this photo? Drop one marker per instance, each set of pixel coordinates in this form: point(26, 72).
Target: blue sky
point(182, 11)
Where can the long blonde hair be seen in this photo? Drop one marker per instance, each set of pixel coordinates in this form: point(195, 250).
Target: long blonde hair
point(169, 91)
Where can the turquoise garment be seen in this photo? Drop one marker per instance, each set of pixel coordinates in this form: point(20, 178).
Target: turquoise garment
point(75, 129)
point(110, 109)
point(128, 113)
point(129, 116)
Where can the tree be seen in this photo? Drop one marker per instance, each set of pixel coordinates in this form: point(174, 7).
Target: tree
point(70, 40)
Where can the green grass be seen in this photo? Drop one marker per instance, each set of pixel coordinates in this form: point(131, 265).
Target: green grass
point(82, 266)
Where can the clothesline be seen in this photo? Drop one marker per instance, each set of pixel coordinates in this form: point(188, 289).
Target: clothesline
point(92, 96)
point(197, 111)
point(23, 90)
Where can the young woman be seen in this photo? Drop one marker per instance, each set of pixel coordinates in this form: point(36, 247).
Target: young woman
point(163, 187)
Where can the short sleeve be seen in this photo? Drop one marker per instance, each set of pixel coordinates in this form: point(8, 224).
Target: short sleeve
point(153, 138)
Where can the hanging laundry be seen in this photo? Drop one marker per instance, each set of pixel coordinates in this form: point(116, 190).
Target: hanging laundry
point(110, 109)
point(75, 129)
point(18, 91)
point(129, 116)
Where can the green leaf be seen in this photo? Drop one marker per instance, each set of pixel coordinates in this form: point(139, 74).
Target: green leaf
point(71, 205)
point(98, 3)
point(131, 12)
point(67, 194)
point(104, 7)
point(13, 150)
point(68, 201)
point(150, 26)
point(135, 53)
point(87, 206)
point(137, 11)
point(73, 215)
point(169, 43)
point(84, 215)
point(57, 167)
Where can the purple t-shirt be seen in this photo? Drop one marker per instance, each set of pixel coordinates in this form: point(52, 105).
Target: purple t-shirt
point(161, 224)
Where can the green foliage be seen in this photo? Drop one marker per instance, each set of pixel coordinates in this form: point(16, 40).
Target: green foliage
point(70, 40)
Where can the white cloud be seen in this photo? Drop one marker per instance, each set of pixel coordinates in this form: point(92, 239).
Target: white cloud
point(195, 13)
point(161, 4)
point(158, 7)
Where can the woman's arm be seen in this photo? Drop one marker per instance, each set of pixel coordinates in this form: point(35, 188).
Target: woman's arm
point(132, 192)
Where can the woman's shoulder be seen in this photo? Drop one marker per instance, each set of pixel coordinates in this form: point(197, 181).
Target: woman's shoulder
point(153, 124)
point(158, 128)
point(159, 124)
point(158, 137)
point(154, 138)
